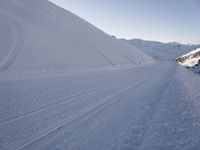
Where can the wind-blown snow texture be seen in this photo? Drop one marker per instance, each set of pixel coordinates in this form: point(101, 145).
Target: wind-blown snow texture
point(65, 85)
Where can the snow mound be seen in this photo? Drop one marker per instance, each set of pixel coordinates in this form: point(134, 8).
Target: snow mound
point(40, 36)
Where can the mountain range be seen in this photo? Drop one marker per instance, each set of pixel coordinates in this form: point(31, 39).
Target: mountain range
point(67, 85)
point(162, 51)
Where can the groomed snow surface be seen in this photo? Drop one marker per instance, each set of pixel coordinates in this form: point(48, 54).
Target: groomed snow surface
point(66, 85)
point(134, 108)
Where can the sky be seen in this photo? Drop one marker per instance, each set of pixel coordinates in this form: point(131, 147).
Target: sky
point(158, 20)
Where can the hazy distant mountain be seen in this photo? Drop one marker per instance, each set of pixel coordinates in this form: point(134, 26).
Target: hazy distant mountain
point(162, 51)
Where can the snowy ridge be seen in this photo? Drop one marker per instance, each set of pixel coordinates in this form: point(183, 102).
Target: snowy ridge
point(162, 51)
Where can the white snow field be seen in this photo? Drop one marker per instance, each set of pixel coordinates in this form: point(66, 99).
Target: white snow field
point(66, 85)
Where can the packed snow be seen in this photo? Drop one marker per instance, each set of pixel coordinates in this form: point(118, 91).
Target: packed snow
point(66, 85)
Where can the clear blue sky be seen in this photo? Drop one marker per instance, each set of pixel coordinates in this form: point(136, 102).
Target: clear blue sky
point(161, 20)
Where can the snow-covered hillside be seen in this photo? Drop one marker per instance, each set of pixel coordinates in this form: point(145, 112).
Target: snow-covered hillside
point(190, 60)
point(162, 51)
point(66, 85)
point(41, 37)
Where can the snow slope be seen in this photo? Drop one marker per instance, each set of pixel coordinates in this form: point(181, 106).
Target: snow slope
point(162, 51)
point(41, 37)
point(65, 85)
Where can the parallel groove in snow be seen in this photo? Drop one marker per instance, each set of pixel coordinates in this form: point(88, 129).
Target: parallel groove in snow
point(83, 112)
point(61, 101)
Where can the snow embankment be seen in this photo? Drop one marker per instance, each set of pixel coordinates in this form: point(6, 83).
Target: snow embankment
point(57, 39)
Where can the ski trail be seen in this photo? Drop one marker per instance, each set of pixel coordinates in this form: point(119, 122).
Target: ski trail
point(83, 112)
point(62, 101)
point(53, 135)
point(58, 111)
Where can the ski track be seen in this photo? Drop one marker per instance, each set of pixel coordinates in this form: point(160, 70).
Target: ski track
point(109, 97)
point(44, 88)
point(62, 101)
point(104, 87)
point(50, 110)
point(88, 114)
point(121, 98)
point(82, 113)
